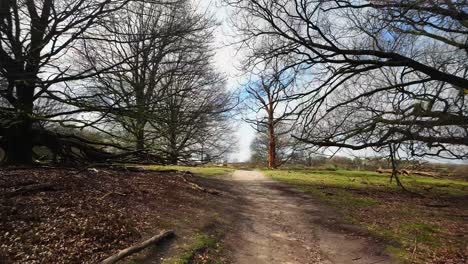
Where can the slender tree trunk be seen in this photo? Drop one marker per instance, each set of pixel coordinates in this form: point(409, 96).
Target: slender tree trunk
point(19, 137)
point(271, 141)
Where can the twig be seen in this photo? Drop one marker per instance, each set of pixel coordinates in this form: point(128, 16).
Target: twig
point(415, 248)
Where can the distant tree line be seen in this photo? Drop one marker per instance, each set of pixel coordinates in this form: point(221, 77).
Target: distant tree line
point(92, 81)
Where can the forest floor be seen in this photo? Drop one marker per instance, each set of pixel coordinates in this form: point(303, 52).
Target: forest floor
point(85, 215)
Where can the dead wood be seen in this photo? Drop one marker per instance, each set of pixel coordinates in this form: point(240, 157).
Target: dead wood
point(166, 171)
point(422, 173)
point(16, 185)
point(198, 187)
point(131, 168)
point(30, 189)
point(138, 247)
point(109, 193)
point(414, 249)
point(437, 205)
point(406, 172)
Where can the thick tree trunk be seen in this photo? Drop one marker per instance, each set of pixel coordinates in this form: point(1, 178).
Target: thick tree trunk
point(19, 143)
point(174, 153)
point(173, 159)
point(140, 140)
point(19, 136)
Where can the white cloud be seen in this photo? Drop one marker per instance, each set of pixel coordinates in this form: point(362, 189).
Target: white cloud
point(228, 61)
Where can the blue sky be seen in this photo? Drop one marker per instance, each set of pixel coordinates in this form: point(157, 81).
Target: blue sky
point(228, 60)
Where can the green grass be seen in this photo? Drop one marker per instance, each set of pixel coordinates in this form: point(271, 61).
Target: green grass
point(201, 242)
point(207, 171)
point(369, 180)
point(368, 199)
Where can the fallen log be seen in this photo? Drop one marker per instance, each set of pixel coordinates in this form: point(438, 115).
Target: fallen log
point(138, 247)
point(423, 173)
point(407, 172)
point(29, 189)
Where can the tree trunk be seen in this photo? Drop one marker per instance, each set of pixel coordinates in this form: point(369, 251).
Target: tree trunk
point(19, 136)
point(19, 143)
point(174, 152)
point(140, 140)
point(271, 142)
point(173, 159)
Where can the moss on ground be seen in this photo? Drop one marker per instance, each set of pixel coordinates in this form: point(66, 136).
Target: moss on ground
point(201, 243)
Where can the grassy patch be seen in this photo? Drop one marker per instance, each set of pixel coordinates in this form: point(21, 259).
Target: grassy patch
point(370, 180)
point(207, 171)
point(424, 229)
point(195, 251)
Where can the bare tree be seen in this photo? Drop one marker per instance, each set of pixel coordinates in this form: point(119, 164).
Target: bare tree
point(155, 40)
point(268, 99)
point(194, 117)
point(286, 147)
point(36, 45)
point(166, 99)
point(380, 72)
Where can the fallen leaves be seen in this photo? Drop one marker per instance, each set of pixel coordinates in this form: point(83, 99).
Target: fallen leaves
point(86, 217)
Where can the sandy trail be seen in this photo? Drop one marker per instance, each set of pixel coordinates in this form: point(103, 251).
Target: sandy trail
point(277, 225)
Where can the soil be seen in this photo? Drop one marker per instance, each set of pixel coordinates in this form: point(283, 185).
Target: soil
point(90, 214)
point(278, 225)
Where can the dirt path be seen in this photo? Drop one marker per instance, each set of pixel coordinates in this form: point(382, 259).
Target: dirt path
point(278, 225)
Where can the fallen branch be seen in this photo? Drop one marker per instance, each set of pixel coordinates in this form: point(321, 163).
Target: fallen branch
point(437, 205)
point(109, 193)
point(30, 189)
point(198, 187)
point(414, 249)
point(137, 248)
